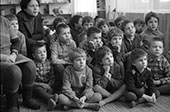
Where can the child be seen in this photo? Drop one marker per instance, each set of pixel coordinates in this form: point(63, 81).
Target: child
point(118, 21)
point(159, 66)
point(140, 86)
point(97, 19)
point(139, 25)
point(77, 90)
point(115, 38)
point(104, 26)
point(44, 76)
point(152, 22)
point(131, 40)
point(14, 25)
point(93, 42)
point(60, 49)
point(88, 22)
point(107, 76)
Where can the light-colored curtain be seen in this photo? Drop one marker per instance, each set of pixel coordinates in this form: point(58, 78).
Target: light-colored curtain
point(85, 7)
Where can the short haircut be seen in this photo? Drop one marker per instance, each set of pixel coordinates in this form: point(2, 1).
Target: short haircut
point(139, 21)
point(24, 3)
point(136, 54)
point(118, 19)
point(125, 22)
point(75, 53)
point(93, 30)
point(60, 26)
point(57, 21)
point(75, 19)
point(157, 39)
point(150, 15)
point(87, 19)
point(96, 17)
point(36, 46)
point(101, 23)
point(101, 52)
point(11, 17)
point(114, 32)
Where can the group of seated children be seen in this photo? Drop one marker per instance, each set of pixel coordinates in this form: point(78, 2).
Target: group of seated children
point(92, 64)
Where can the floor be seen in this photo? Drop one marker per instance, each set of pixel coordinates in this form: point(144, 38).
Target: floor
point(162, 105)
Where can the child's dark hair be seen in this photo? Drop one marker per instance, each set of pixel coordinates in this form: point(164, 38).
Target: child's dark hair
point(11, 17)
point(125, 22)
point(60, 26)
point(118, 19)
point(139, 21)
point(101, 23)
point(36, 46)
point(157, 39)
point(137, 53)
point(92, 30)
point(87, 19)
point(150, 15)
point(74, 20)
point(114, 32)
point(57, 21)
point(101, 52)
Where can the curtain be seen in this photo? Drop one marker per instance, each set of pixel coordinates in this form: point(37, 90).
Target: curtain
point(85, 7)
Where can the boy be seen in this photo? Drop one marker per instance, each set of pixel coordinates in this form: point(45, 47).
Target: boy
point(118, 21)
point(88, 22)
point(93, 42)
point(77, 90)
point(14, 25)
point(140, 86)
point(139, 25)
point(107, 76)
point(152, 22)
point(159, 66)
point(60, 49)
point(44, 76)
point(115, 39)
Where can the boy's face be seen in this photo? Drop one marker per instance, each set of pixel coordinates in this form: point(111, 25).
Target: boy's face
point(104, 28)
point(129, 29)
point(87, 25)
point(95, 37)
point(119, 24)
point(40, 54)
point(14, 24)
point(79, 63)
point(152, 23)
point(98, 20)
point(108, 59)
point(116, 40)
point(65, 35)
point(141, 63)
point(156, 48)
point(139, 27)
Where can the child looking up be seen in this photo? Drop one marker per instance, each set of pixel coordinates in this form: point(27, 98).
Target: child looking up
point(159, 66)
point(139, 81)
point(77, 90)
point(107, 76)
point(60, 48)
point(44, 76)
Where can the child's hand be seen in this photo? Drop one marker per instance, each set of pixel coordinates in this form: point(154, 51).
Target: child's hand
point(148, 98)
point(106, 68)
point(82, 100)
point(12, 58)
point(76, 100)
point(101, 103)
point(153, 98)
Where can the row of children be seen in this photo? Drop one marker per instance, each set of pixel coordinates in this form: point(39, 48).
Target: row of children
point(68, 74)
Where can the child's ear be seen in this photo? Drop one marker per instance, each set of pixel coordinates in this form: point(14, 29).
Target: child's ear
point(33, 55)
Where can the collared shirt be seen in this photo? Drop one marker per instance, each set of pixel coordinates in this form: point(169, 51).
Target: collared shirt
point(44, 72)
point(60, 51)
point(160, 68)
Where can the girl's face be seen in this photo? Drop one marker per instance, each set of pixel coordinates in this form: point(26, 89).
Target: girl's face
point(96, 37)
point(152, 23)
point(33, 8)
point(65, 35)
point(104, 28)
point(116, 41)
point(129, 29)
point(156, 48)
point(40, 54)
point(79, 24)
point(108, 59)
point(139, 27)
point(14, 24)
point(87, 25)
point(79, 63)
point(141, 63)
